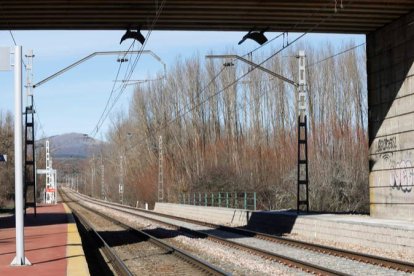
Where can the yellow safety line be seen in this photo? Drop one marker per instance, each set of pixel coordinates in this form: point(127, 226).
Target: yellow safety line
point(77, 264)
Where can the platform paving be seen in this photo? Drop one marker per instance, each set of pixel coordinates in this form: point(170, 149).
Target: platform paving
point(52, 243)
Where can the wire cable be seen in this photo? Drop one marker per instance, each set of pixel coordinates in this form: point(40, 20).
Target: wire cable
point(111, 93)
point(129, 75)
point(167, 124)
point(322, 60)
point(199, 94)
point(38, 119)
point(335, 55)
point(12, 36)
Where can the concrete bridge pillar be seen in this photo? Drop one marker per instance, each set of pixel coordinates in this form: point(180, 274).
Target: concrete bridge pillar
point(390, 69)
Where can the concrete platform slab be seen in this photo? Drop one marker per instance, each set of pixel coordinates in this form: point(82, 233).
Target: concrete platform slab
point(52, 243)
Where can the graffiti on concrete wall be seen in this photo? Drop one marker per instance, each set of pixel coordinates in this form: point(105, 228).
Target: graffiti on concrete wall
point(386, 144)
point(402, 176)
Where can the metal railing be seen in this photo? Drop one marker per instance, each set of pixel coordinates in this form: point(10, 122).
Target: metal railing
point(237, 200)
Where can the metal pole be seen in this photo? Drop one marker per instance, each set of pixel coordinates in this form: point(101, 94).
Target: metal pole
point(56, 186)
point(92, 173)
point(121, 179)
point(219, 199)
point(254, 200)
point(227, 199)
point(103, 182)
point(160, 171)
point(93, 176)
point(20, 258)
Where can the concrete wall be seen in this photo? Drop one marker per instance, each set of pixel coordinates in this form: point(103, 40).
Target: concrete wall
point(224, 216)
point(357, 230)
point(390, 69)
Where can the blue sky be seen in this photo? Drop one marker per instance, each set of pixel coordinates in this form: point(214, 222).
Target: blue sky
point(74, 101)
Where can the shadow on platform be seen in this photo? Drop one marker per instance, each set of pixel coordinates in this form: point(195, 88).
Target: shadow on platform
point(31, 220)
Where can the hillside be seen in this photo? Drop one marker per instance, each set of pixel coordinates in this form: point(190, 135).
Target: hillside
point(71, 145)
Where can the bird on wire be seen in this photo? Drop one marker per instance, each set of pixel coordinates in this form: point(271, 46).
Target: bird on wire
point(257, 36)
point(134, 35)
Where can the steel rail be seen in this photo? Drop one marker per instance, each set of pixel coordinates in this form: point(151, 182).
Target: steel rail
point(116, 262)
point(362, 257)
point(185, 256)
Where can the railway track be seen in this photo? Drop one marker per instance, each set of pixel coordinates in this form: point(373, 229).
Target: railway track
point(391, 265)
point(166, 259)
point(116, 263)
point(360, 257)
point(363, 259)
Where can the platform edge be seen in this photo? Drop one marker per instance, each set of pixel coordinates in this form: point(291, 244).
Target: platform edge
point(76, 264)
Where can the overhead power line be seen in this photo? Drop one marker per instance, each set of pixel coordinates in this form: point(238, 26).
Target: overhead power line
point(337, 54)
point(252, 68)
point(149, 32)
point(38, 119)
point(112, 90)
point(124, 85)
point(12, 36)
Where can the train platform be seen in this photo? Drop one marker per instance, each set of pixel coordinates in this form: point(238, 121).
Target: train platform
point(52, 243)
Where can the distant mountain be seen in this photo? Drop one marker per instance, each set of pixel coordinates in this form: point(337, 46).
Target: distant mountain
point(71, 146)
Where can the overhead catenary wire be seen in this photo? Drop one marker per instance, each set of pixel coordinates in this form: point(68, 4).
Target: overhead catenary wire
point(282, 34)
point(15, 44)
point(336, 54)
point(199, 94)
point(14, 40)
point(12, 36)
point(145, 42)
point(8, 25)
point(252, 68)
point(185, 112)
point(323, 59)
point(38, 119)
point(113, 87)
point(123, 86)
point(286, 33)
point(261, 63)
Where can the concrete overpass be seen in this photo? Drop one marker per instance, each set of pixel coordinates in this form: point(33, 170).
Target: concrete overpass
point(361, 16)
point(389, 26)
